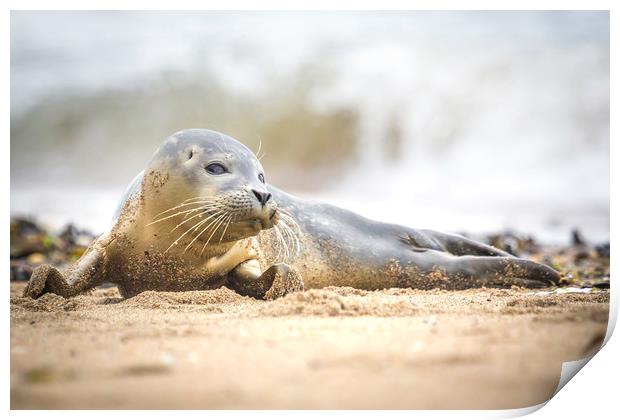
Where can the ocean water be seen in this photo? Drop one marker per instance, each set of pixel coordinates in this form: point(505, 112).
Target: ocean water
point(463, 121)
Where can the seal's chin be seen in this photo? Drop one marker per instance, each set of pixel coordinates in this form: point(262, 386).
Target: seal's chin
point(252, 226)
point(266, 221)
point(269, 222)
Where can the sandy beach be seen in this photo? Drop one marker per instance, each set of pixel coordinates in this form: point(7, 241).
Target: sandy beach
point(329, 348)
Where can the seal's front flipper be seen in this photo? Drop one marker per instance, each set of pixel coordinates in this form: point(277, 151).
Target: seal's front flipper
point(86, 273)
point(275, 282)
point(285, 280)
point(460, 245)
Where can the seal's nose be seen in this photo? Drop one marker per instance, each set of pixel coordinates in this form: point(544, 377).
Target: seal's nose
point(262, 196)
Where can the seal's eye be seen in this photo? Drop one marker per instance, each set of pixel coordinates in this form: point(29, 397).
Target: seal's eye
point(261, 178)
point(216, 169)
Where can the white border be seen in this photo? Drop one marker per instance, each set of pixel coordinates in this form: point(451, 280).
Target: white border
point(312, 5)
point(592, 395)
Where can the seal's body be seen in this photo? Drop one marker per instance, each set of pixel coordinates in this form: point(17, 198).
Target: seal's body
point(200, 216)
point(341, 248)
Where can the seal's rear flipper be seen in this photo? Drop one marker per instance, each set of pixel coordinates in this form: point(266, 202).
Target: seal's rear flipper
point(503, 271)
point(85, 274)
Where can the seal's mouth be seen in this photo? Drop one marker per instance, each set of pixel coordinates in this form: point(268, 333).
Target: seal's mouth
point(268, 222)
point(266, 219)
point(271, 221)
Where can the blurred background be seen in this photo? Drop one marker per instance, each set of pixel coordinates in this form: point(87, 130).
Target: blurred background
point(471, 122)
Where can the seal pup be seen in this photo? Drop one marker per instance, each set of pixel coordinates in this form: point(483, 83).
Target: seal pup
point(201, 216)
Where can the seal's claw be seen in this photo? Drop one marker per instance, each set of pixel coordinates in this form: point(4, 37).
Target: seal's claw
point(535, 284)
point(36, 286)
point(286, 280)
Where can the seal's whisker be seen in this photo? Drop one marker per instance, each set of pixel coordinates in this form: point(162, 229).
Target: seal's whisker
point(211, 228)
point(198, 226)
point(193, 228)
point(290, 219)
point(288, 251)
point(295, 233)
point(284, 229)
point(294, 230)
point(178, 207)
point(201, 232)
point(260, 145)
point(198, 197)
point(171, 216)
point(230, 217)
point(277, 257)
point(222, 146)
point(200, 207)
point(284, 244)
point(186, 212)
point(291, 235)
point(205, 209)
point(170, 209)
point(185, 220)
point(215, 216)
point(214, 229)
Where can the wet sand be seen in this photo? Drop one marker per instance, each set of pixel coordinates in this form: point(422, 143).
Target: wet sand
point(330, 348)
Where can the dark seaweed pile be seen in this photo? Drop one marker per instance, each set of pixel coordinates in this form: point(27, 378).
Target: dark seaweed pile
point(32, 245)
point(583, 264)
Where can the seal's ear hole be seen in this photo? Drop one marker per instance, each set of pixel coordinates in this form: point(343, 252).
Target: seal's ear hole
point(190, 154)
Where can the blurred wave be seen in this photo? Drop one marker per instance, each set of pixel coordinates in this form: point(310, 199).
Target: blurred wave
point(462, 121)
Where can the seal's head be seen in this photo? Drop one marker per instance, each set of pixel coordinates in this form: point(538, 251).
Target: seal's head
point(214, 180)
